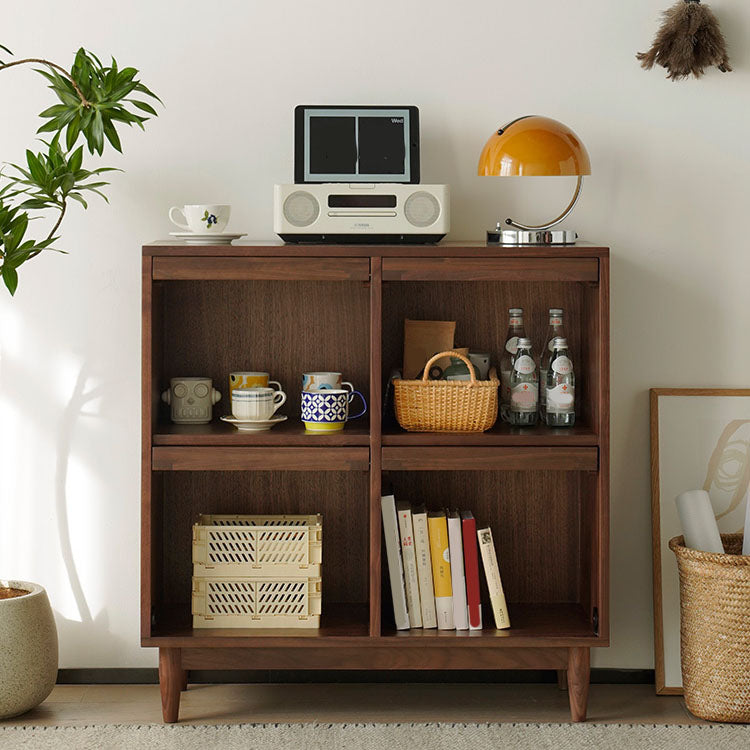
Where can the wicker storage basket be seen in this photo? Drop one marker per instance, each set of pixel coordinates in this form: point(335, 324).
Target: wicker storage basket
point(715, 629)
point(446, 405)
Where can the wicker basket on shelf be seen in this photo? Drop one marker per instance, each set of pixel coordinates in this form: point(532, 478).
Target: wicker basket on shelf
point(715, 629)
point(447, 405)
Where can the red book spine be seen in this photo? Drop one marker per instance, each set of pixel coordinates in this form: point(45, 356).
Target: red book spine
point(471, 571)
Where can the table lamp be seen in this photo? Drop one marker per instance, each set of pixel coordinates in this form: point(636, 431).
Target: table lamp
point(533, 146)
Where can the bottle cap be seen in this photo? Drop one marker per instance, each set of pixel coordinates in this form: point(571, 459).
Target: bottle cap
point(515, 311)
point(555, 311)
point(524, 343)
point(558, 343)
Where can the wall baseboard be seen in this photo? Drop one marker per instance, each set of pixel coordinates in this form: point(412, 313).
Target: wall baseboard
point(148, 676)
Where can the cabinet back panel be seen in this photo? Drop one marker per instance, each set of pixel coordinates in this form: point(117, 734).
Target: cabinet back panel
point(535, 522)
point(341, 497)
point(212, 328)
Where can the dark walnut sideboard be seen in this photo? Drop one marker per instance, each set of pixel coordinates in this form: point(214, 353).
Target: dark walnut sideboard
point(293, 308)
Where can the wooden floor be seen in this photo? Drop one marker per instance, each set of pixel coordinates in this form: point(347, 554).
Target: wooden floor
point(71, 705)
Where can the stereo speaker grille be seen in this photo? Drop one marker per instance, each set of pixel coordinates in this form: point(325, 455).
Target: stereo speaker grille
point(301, 209)
point(422, 209)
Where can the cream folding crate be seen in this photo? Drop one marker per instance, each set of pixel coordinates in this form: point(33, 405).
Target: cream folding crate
point(252, 546)
point(256, 602)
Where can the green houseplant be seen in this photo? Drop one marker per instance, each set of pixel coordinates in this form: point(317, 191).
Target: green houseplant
point(93, 99)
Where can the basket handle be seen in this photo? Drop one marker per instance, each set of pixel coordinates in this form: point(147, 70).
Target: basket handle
point(440, 355)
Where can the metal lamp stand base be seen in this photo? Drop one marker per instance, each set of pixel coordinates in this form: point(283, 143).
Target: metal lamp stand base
point(500, 236)
point(543, 234)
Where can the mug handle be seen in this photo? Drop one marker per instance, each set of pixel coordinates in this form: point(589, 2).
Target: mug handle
point(346, 384)
point(351, 398)
point(276, 383)
point(180, 224)
point(278, 401)
point(166, 397)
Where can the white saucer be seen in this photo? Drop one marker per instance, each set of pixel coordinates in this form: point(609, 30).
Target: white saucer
point(200, 238)
point(254, 425)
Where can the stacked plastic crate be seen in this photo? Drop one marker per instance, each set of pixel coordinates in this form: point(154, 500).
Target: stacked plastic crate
point(257, 571)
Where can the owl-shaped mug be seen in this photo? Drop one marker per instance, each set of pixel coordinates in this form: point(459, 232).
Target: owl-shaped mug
point(191, 400)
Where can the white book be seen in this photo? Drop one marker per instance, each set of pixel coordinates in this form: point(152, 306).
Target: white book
point(494, 584)
point(458, 579)
point(424, 567)
point(410, 563)
point(393, 554)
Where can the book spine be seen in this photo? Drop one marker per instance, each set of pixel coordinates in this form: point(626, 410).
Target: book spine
point(424, 570)
point(441, 571)
point(494, 584)
point(471, 570)
point(393, 554)
point(410, 568)
point(458, 580)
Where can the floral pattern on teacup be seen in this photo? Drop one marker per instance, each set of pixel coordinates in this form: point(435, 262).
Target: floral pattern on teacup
point(209, 219)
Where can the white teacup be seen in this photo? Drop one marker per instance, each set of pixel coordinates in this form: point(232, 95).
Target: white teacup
point(256, 403)
point(201, 218)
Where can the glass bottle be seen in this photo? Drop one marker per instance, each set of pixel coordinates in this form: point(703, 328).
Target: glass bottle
point(554, 331)
point(560, 387)
point(524, 387)
point(516, 330)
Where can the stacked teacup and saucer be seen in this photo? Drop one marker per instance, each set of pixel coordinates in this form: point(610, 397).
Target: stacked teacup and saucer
point(325, 402)
point(203, 224)
point(254, 401)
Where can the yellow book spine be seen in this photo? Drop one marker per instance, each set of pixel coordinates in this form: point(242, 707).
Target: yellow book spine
point(441, 566)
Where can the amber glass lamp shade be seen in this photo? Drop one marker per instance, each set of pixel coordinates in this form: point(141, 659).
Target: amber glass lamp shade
point(535, 146)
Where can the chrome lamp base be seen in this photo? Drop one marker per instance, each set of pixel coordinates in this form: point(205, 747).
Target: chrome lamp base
point(500, 236)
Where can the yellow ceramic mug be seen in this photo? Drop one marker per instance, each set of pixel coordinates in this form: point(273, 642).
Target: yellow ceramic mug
point(251, 380)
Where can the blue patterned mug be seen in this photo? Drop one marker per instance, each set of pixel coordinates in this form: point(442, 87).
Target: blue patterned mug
point(328, 410)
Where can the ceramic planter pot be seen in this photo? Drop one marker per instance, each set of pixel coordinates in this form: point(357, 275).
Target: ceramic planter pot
point(28, 649)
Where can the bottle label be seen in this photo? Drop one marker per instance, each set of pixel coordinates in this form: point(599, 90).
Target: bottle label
point(523, 397)
point(524, 364)
point(555, 321)
point(515, 322)
point(561, 399)
point(511, 345)
point(562, 366)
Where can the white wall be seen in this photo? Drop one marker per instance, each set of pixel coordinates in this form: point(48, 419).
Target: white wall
point(669, 193)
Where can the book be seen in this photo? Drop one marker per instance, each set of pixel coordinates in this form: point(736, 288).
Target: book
point(471, 569)
point(424, 566)
point(458, 580)
point(437, 525)
point(410, 563)
point(492, 574)
point(393, 555)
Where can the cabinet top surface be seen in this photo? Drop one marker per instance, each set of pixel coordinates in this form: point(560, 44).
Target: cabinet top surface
point(442, 249)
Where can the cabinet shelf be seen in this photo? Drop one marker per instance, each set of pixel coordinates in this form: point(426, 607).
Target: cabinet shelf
point(259, 458)
point(289, 433)
point(501, 434)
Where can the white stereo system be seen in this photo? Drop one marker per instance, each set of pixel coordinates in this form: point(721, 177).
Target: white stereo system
point(361, 212)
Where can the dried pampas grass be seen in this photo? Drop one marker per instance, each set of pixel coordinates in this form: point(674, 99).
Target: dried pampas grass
point(688, 42)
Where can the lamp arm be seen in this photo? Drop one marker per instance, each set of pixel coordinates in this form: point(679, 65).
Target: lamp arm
point(564, 215)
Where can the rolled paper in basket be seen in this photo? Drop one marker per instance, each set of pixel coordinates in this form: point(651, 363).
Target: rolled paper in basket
point(699, 522)
point(746, 538)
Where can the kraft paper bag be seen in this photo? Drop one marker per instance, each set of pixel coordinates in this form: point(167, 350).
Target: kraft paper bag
point(422, 340)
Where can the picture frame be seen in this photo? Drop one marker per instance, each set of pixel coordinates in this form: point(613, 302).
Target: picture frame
point(700, 439)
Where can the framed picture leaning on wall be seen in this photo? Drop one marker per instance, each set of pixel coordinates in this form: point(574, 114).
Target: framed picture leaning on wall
point(700, 439)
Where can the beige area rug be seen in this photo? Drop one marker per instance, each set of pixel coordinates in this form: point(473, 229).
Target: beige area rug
point(380, 737)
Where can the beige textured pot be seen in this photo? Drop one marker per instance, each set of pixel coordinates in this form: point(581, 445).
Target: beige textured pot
point(28, 649)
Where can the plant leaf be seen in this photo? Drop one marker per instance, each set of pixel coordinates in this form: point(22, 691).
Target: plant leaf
point(10, 277)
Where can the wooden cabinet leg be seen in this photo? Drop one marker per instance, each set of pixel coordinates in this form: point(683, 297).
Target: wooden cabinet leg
point(579, 672)
point(562, 679)
point(170, 682)
point(184, 679)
